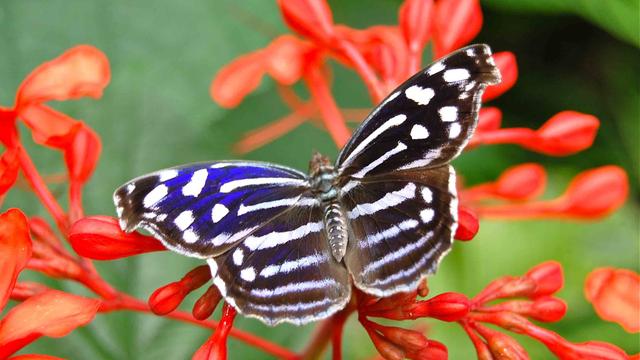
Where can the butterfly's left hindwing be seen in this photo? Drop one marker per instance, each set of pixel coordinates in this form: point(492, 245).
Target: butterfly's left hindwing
point(201, 210)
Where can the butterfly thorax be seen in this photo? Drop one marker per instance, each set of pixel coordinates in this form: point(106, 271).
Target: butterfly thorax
point(323, 184)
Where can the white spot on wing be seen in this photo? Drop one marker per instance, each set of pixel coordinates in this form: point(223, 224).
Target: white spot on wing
point(184, 220)
point(154, 196)
point(248, 274)
point(454, 130)
point(196, 184)
point(435, 68)
point(218, 212)
point(421, 96)
point(419, 132)
point(189, 236)
point(426, 215)
point(427, 194)
point(455, 75)
point(470, 52)
point(238, 256)
point(169, 174)
point(130, 188)
point(448, 113)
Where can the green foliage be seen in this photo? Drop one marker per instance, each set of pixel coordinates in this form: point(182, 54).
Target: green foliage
point(157, 113)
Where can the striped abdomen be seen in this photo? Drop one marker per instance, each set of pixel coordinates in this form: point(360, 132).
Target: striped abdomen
point(336, 227)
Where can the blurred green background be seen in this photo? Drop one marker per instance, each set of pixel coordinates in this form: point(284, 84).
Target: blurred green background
point(156, 113)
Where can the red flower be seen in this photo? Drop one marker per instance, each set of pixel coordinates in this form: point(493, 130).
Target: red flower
point(51, 313)
point(100, 238)
point(615, 295)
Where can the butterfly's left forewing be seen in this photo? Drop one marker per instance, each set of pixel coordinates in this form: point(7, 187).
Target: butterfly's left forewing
point(202, 210)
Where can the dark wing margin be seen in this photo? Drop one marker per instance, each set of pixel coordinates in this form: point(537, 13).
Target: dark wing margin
point(426, 121)
point(401, 226)
point(202, 210)
point(284, 272)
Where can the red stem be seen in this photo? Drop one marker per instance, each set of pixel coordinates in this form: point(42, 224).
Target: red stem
point(331, 115)
point(365, 71)
point(42, 191)
point(126, 302)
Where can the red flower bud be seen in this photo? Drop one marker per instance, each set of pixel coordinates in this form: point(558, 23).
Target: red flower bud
point(216, 346)
point(100, 238)
point(406, 339)
point(596, 193)
point(167, 298)
point(26, 289)
point(501, 345)
point(207, 303)
point(387, 349)
point(548, 278)
point(591, 350)
point(446, 307)
point(309, 18)
point(433, 351)
point(521, 182)
point(547, 309)
point(615, 295)
point(468, 224)
point(506, 62)
point(566, 133)
point(456, 23)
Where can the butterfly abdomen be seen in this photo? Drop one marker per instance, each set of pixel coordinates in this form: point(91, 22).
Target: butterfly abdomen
point(335, 225)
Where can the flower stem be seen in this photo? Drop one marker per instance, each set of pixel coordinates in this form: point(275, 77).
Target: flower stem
point(42, 191)
point(363, 69)
point(331, 115)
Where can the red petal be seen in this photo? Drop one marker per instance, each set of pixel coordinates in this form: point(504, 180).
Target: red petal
point(506, 62)
point(15, 250)
point(53, 313)
point(9, 167)
point(414, 19)
point(566, 133)
point(286, 59)
point(80, 71)
point(237, 79)
point(468, 224)
point(521, 182)
point(100, 238)
point(615, 295)
point(49, 127)
point(456, 23)
point(35, 357)
point(596, 193)
point(82, 155)
point(8, 128)
point(490, 119)
point(309, 18)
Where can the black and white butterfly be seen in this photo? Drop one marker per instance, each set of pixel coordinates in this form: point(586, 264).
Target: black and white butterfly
point(284, 246)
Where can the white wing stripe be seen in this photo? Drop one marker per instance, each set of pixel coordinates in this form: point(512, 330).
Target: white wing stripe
point(235, 184)
point(289, 266)
point(295, 287)
point(243, 209)
point(389, 233)
point(394, 121)
point(388, 200)
point(276, 238)
point(403, 251)
point(400, 147)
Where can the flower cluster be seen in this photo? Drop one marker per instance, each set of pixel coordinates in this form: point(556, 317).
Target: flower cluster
point(382, 56)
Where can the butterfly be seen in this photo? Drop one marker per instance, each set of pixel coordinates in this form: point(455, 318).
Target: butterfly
point(284, 246)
